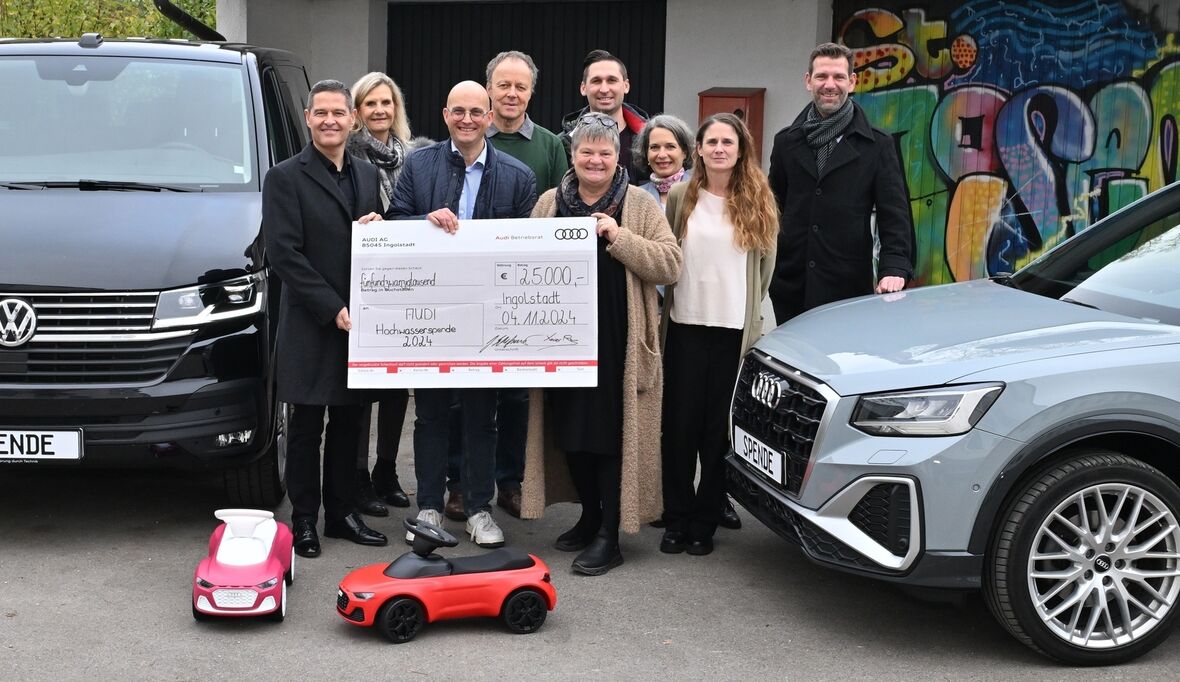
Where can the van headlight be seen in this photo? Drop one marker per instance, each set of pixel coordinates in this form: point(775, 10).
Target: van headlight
point(934, 412)
point(206, 303)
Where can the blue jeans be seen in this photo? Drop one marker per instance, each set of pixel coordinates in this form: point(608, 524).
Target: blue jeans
point(512, 423)
point(432, 445)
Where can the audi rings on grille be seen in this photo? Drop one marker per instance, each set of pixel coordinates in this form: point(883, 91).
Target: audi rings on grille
point(571, 233)
point(767, 389)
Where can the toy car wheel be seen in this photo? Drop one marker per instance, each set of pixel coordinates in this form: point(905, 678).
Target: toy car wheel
point(280, 613)
point(289, 576)
point(198, 616)
point(1085, 565)
point(400, 619)
point(524, 611)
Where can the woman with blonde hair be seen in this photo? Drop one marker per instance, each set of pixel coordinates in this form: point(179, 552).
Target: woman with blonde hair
point(381, 136)
point(382, 129)
point(726, 222)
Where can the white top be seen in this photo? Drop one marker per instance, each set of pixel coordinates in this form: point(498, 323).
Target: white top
point(711, 290)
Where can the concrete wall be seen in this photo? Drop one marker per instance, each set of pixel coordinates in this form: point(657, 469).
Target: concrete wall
point(340, 39)
point(743, 43)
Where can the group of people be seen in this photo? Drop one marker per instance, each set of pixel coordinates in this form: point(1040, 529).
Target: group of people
point(692, 236)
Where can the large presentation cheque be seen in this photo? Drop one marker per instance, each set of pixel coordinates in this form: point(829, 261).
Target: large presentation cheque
point(500, 304)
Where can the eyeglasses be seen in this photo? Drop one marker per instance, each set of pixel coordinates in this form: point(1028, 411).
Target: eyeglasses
point(600, 119)
point(459, 113)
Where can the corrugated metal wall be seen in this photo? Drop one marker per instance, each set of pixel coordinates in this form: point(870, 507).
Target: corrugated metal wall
point(432, 46)
point(1018, 123)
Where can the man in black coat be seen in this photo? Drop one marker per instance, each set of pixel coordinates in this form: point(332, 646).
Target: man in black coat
point(458, 179)
point(308, 205)
point(829, 169)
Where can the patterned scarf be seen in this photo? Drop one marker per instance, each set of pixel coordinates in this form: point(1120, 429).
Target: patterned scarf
point(823, 131)
point(387, 158)
point(665, 184)
point(570, 205)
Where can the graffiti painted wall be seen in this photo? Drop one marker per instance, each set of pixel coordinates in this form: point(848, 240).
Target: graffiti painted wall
point(1018, 123)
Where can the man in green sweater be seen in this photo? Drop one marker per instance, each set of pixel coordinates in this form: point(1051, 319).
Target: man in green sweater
point(512, 76)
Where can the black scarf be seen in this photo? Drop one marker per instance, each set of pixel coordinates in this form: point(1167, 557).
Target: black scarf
point(822, 131)
point(387, 158)
point(570, 205)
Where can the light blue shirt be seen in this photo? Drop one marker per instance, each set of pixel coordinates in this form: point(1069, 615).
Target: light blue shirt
point(472, 178)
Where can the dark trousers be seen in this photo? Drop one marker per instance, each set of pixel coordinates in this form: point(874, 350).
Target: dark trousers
point(303, 460)
point(391, 417)
point(433, 441)
point(597, 479)
point(512, 420)
point(700, 367)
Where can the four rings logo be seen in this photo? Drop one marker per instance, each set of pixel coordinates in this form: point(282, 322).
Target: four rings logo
point(17, 322)
point(767, 389)
point(574, 233)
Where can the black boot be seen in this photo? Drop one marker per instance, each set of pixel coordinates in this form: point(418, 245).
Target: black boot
point(729, 517)
point(386, 486)
point(366, 499)
point(601, 556)
point(584, 474)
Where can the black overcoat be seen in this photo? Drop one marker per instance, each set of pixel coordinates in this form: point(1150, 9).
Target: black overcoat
point(308, 234)
point(825, 244)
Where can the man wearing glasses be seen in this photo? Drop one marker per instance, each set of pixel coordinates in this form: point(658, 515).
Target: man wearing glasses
point(458, 179)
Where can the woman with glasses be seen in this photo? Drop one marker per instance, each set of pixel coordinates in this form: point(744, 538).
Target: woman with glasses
point(661, 152)
point(726, 221)
point(601, 445)
point(381, 137)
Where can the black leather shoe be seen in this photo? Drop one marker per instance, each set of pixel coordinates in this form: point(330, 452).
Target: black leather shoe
point(573, 540)
point(673, 542)
point(453, 509)
point(366, 500)
point(658, 523)
point(601, 556)
point(306, 542)
point(701, 546)
point(352, 528)
point(386, 485)
point(729, 518)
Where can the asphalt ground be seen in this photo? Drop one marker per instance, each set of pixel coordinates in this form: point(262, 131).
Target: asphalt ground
point(95, 572)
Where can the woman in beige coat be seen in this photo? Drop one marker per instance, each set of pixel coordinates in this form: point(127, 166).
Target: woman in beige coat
point(602, 445)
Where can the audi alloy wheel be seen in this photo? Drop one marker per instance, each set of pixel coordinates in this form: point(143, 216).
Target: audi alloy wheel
point(1086, 564)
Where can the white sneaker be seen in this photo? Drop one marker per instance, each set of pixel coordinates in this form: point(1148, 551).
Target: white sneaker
point(431, 516)
point(483, 530)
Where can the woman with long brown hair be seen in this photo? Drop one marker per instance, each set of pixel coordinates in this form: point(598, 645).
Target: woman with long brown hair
point(726, 222)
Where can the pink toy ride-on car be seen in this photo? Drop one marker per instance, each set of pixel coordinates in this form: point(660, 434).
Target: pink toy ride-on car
point(250, 564)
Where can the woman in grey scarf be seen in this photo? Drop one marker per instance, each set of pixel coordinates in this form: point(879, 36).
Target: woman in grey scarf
point(381, 137)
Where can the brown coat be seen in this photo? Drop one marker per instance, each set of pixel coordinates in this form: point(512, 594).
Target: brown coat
point(647, 249)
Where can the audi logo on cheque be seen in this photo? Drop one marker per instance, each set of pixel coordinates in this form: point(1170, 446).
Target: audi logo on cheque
point(571, 233)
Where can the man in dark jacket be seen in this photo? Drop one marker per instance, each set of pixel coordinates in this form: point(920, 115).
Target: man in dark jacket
point(829, 169)
point(308, 205)
point(604, 85)
point(447, 183)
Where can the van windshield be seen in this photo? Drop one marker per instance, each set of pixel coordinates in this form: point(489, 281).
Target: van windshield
point(64, 119)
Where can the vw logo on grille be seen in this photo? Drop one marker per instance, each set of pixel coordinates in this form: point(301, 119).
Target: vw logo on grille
point(572, 233)
point(767, 389)
point(17, 322)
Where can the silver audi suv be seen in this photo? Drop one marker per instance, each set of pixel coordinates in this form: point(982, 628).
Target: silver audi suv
point(1019, 435)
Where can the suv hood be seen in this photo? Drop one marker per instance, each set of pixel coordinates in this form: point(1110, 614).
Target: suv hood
point(934, 335)
point(105, 240)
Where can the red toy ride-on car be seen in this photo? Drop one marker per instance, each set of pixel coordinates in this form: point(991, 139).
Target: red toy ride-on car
point(421, 587)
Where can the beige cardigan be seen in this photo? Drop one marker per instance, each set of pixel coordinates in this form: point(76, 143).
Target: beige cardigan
point(759, 268)
point(646, 247)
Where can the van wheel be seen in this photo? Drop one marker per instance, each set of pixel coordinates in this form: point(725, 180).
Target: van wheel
point(262, 483)
point(1085, 566)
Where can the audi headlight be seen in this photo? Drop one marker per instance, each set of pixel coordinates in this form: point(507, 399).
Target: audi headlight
point(363, 596)
point(206, 303)
point(204, 583)
point(935, 412)
point(269, 583)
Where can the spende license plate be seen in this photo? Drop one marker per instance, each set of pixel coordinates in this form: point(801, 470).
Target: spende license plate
point(761, 456)
point(35, 446)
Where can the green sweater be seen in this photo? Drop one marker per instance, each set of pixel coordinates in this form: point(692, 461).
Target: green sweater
point(544, 154)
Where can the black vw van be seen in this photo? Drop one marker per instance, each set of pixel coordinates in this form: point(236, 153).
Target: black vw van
point(136, 308)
